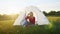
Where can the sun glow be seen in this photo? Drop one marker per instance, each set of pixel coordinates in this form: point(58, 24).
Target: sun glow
point(10, 11)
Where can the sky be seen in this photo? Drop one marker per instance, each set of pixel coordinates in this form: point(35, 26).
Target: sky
point(14, 6)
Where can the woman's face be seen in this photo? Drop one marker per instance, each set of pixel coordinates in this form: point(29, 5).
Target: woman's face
point(31, 13)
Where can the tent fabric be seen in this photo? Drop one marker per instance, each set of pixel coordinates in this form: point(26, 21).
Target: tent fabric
point(20, 19)
point(41, 19)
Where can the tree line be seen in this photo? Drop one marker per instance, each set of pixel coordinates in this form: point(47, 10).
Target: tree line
point(8, 17)
point(52, 13)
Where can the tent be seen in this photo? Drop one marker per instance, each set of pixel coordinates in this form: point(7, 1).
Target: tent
point(41, 19)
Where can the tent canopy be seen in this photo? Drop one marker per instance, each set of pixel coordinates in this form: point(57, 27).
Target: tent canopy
point(39, 16)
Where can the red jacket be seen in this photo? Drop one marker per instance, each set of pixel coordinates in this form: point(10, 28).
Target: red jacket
point(32, 20)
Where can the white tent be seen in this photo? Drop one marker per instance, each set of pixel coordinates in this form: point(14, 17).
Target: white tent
point(39, 16)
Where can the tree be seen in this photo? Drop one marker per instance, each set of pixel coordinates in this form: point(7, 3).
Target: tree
point(45, 13)
point(52, 13)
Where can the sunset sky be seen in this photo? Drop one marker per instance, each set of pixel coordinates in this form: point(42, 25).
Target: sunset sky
point(14, 6)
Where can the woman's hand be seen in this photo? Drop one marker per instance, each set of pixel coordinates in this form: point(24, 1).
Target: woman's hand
point(28, 20)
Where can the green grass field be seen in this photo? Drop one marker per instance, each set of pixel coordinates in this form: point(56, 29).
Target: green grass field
point(6, 27)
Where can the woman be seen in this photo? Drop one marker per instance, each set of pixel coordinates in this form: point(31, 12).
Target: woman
point(30, 19)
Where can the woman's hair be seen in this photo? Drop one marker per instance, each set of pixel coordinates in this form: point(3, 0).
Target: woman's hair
point(31, 13)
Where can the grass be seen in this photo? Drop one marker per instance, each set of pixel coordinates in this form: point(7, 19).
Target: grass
point(55, 19)
point(6, 27)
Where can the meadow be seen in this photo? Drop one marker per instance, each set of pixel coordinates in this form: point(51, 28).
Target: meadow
point(6, 27)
